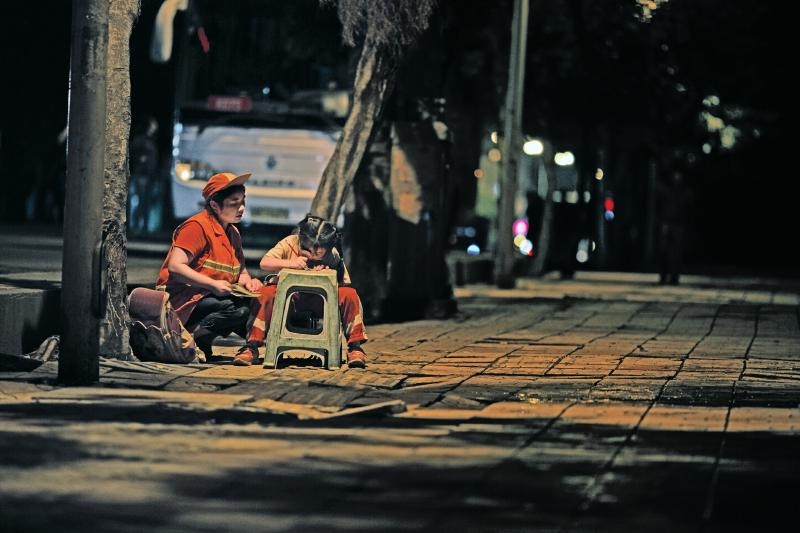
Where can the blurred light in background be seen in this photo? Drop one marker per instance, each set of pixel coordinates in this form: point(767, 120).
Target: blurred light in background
point(564, 159)
point(520, 227)
point(494, 155)
point(582, 255)
point(647, 9)
point(598, 175)
point(473, 249)
point(183, 171)
point(533, 147)
point(608, 205)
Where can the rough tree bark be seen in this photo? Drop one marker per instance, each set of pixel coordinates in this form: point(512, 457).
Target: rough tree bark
point(373, 83)
point(385, 28)
point(114, 326)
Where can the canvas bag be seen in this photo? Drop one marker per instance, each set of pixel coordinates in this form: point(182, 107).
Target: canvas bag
point(157, 334)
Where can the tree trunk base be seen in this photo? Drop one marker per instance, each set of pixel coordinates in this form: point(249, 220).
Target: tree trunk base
point(405, 309)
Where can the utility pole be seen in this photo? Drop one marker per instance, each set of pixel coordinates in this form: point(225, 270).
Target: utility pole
point(512, 135)
point(82, 300)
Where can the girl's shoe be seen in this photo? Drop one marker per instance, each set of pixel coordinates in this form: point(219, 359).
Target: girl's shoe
point(356, 358)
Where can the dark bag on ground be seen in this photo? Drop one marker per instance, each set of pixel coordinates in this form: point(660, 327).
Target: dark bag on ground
point(157, 334)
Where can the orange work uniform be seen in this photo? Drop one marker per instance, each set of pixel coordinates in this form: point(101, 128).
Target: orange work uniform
point(212, 250)
point(350, 311)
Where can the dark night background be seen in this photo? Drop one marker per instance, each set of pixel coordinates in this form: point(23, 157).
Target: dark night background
point(596, 76)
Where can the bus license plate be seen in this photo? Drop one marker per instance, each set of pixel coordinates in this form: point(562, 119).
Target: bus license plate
point(272, 213)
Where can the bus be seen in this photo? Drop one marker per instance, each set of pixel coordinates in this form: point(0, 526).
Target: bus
point(285, 149)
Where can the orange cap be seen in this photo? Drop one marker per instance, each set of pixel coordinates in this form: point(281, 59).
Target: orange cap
point(223, 180)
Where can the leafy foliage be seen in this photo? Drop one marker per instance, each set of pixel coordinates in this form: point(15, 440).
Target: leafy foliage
point(390, 25)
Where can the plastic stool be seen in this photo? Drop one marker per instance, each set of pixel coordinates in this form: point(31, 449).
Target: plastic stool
point(326, 343)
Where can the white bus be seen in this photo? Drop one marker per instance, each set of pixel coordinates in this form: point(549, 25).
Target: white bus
point(286, 151)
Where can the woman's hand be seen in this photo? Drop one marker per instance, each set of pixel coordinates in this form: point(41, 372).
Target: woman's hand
point(220, 287)
point(253, 284)
point(178, 266)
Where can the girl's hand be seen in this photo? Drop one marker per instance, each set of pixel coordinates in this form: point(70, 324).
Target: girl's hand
point(297, 262)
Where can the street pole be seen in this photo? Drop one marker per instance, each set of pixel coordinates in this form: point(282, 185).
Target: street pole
point(650, 221)
point(512, 123)
point(600, 209)
point(81, 295)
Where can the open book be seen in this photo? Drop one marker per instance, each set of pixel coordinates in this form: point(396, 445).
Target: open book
point(237, 289)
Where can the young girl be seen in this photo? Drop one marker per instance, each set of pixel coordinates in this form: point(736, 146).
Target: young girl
point(312, 245)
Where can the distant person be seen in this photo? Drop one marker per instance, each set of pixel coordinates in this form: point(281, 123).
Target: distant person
point(312, 245)
point(674, 203)
point(204, 262)
point(45, 202)
point(144, 187)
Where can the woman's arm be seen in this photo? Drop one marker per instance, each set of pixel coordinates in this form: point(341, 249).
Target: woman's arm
point(253, 284)
point(179, 269)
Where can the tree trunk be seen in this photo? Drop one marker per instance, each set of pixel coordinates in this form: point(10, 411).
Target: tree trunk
point(114, 326)
point(417, 280)
point(366, 248)
point(367, 216)
point(373, 83)
point(542, 246)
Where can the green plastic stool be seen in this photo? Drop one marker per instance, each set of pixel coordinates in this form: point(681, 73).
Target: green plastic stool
point(327, 343)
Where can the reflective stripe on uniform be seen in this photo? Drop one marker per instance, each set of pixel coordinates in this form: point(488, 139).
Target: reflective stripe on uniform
point(221, 267)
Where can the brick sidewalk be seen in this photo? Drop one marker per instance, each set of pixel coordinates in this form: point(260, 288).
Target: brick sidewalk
point(591, 404)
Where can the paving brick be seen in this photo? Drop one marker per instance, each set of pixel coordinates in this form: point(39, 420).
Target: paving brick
point(442, 369)
point(19, 391)
point(96, 395)
point(615, 414)
point(439, 413)
point(698, 392)
point(122, 379)
point(764, 419)
point(524, 410)
point(619, 389)
point(457, 401)
point(674, 418)
point(766, 393)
